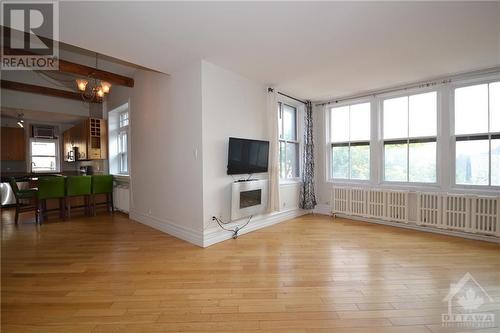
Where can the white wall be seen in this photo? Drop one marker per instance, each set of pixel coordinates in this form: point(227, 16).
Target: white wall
point(232, 106)
point(179, 130)
point(166, 153)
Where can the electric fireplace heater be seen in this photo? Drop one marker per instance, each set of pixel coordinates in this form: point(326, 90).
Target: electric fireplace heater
point(248, 198)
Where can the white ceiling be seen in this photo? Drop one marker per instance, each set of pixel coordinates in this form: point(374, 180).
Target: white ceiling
point(310, 50)
point(41, 116)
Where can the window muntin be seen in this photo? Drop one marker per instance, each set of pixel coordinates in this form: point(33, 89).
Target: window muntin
point(44, 155)
point(477, 133)
point(350, 141)
point(494, 95)
point(410, 138)
point(288, 141)
point(495, 162)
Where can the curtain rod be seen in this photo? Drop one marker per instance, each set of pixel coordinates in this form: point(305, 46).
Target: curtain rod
point(421, 84)
point(282, 94)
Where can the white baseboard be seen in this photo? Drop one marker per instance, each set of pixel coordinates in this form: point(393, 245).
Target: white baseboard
point(214, 234)
point(192, 236)
point(413, 226)
point(322, 209)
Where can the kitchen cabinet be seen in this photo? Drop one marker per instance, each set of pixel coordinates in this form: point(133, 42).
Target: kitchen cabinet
point(13, 144)
point(89, 138)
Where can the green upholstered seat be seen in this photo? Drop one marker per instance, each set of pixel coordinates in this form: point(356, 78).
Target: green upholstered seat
point(51, 187)
point(102, 184)
point(78, 185)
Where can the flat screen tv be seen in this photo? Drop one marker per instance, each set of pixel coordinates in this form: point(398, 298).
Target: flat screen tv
point(247, 156)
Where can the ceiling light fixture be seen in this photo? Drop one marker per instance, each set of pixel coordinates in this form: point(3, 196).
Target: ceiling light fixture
point(91, 88)
point(20, 120)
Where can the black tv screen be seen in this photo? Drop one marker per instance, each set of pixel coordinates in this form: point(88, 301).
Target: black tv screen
point(247, 156)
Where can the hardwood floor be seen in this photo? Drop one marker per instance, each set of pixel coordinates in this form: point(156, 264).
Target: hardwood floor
point(308, 275)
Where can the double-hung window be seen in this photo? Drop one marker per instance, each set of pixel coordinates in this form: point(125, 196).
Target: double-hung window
point(123, 143)
point(288, 141)
point(410, 138)
point(477, 134)
point(44, 155)
point(350, 141)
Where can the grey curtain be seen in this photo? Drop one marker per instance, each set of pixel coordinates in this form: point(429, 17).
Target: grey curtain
point(307, 196)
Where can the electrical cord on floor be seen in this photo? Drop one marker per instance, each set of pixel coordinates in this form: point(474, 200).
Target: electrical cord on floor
point(235, 230)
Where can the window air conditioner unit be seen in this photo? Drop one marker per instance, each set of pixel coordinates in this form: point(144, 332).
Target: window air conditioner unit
point(43, 132)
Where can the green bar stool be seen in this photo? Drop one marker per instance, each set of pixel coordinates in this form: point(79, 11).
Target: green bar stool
point(51, 188)
point(24, 195)
point(78, 186)
point(103, 184)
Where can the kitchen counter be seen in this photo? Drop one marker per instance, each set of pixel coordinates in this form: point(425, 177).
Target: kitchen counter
point(25, 176)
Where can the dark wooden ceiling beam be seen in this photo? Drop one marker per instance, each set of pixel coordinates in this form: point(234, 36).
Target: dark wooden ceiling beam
point(34, 89)
point(82, 70)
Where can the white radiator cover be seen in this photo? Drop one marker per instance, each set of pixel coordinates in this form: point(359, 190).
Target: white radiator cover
point(358, 201)
point(456, 212)
point(376, 203)
point(485, 217)
point(429, 209)
point(340, 200)
point(121, 198)
point(465, 213)
point(397, 206)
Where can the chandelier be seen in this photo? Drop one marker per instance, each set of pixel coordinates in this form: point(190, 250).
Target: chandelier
point(91, 88)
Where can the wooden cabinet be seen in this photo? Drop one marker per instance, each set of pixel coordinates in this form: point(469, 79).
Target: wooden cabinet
point(89, 137)
point(97, 139)
point(67, 146)
point(13, 144)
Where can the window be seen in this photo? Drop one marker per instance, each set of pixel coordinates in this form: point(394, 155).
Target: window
point(44, 155)
point(118, 133)
point(123, 144)
point(350, 141)
point(288, 141)
point(410, 135)
point(477, 134)
point(123, 119)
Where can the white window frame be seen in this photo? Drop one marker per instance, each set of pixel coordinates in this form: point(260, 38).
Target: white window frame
point(381, 140)
point(121, 155)
point(330, 142)
point(453, 141)
point(299, 107)
point(57, 155)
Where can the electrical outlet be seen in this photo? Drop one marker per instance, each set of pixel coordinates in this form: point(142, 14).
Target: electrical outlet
point(149, 211)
